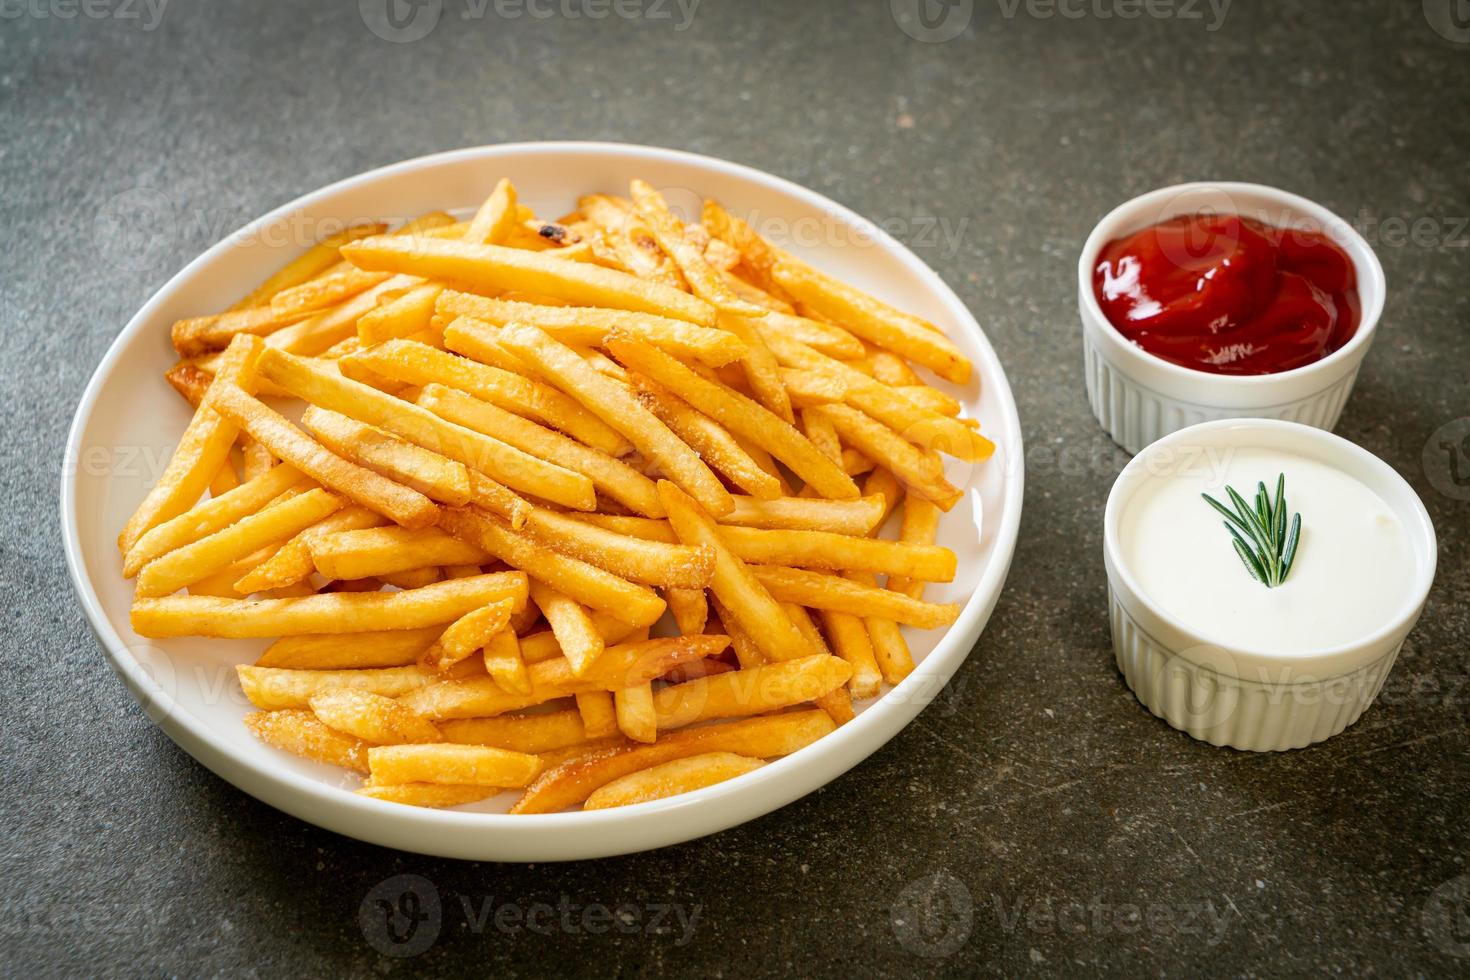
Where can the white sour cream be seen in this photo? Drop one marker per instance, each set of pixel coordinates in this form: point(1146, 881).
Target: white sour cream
point(1353, 572)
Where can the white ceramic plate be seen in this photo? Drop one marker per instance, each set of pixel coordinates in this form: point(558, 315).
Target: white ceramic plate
point(129, 420)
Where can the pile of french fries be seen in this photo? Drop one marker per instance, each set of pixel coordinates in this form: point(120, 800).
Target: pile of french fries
point(523, 443)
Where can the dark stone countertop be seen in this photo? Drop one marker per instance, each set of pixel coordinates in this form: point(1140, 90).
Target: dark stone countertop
point(1056, 825)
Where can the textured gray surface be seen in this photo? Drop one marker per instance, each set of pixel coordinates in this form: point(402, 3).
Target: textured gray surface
point(1037, 785)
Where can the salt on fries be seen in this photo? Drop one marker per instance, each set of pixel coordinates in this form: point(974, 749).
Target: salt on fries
point(519, 450)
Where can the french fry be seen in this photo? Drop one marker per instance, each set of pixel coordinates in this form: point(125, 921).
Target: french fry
point(859, 516)
point(690, 608)
point(890, 649)
point(598, 713)
point(822, 337)
point(740, 593)
point(587, 584)
point(762, 373)
point(819, 591)
point(301, 733)
point(758, 258)
point(620, 666)
point(504, 663)
point(313, 262)
point(432, 475)
point(493, 269)
point(462, 765)
point(337, 612)
point(492, 224)
point(372, 718)
point(395, 501)
point(328, 290)
point(274, 688)
point(823, 434)
point(472, 631)
point(349, 651)
point(429, 794)
point(668, 231)
point(320, 331)
point(210, 516)
point(714, 444)
point(930, 399)
point(611, 476)
point(873, 320)
point(402, 316)
point(575, 633)
point(589, 326)
point(838, 552)
point(202, 334)
point(851, 642)
point(379, 551)
point(632, 558)
point(536, 733)
point(836, 702)
point(738, 414)
point(216, 551)
point(291, 564)
point(619, 409)
point(922, 474)
point(202, 450)
point(920, 525)
point(635, 712)
point(631, 239)
point(671, 779)
point(475, 450)
point(751, 691)
point(572, 782)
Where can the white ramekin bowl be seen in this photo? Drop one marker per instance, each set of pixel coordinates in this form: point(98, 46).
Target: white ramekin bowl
point(1237, 697)
point(1139, 397)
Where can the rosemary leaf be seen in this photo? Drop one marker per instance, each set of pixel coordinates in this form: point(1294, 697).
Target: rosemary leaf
point(1259, 534)
point(1250, 561)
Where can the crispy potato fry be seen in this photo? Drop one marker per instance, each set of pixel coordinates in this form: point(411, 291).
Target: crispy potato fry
point(327, 290)
point(572, 782)
point(575, 633)
point(859, 516)
point(210, 516)
point(348, 651)
point(587, 584)
point(873, 320)
point(632, 558)
point(838, 552)
point(610, 476)
point(738, 414)
point(372, 718)
point(501, 462)
point(402, 316)
point(429, 794)
point(273, 688)
point(589, 326)
point(492, 224)
point(323, 330)
point(819, 591)
point(203, 334)
point(922, 474)
point(930, 399)
point(313, 262)
point(291, 564)
point(751, 691)
point(635, 713)
point(619, 409)
point(851, 642)
point(598, 712)
point(671, 779)
point(495, 269)
point(219, 550)
point(890, 649)
point(504, 663)
point(446, 763)
point(471, 632)
point(668, 231)
point(533, 733)
point(632, 240)
point(202, 450)
point(301, 733)
point(338, 612)
point(714, 444)
point(758, 258)
point(689, 606)
point(762, 373)
point(920, 525)
point(395, 501)
point(376, 552)
point(432, 475)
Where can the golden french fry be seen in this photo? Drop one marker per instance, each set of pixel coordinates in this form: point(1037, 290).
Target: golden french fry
point(689, 606)
point(920, 473)
point(216, 551)
point(762, 373)
point(631, 239)
point(337, 612)
point(472, 631)
point(750, 691)
point(447, 763)
point(202, 450)
point(920, 525)
point(635, 713)
point(379, 551)
point(572, 782)
point(758, 258)
point(504, 663)
point(402, 504)
point(492, 224)
point(671, 779)
point(819, 591)
point(291, 564)
point(598, 713)
point(316, 260)
point(533, 733)
point(348, 651)
point(432, 475)
point(714, 444)
point(820, 430)
point(372, 718)
point(273, 688)
point(587, 584)
point(668, 231)
point(321, 331)
point(890, 649)
point(501, 462)
point(838, 552)
point(619, 409)
point(575, 633)
point(633, 558)
point(203, 334)
point(738, 414)
point(301, 733)
point(324, 291)
point(851, 642)
point(402, 316)
point(429, 794)
point(494, 269)
point(859, 516)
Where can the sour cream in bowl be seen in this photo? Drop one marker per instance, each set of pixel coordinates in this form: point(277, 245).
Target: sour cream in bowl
point(1269, 618)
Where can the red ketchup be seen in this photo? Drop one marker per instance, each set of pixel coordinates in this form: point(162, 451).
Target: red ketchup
point(1229, 295)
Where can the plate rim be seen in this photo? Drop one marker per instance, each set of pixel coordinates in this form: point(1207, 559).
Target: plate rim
point(822, 760)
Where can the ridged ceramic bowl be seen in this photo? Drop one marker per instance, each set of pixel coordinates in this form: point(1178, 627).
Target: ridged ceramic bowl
point(1138, 397)
point(1247, 699)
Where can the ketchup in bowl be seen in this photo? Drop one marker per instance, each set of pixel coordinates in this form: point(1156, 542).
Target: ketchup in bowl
point(1229, 295)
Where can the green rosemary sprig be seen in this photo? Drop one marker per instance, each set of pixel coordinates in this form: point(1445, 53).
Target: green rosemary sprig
point(1260, 533)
